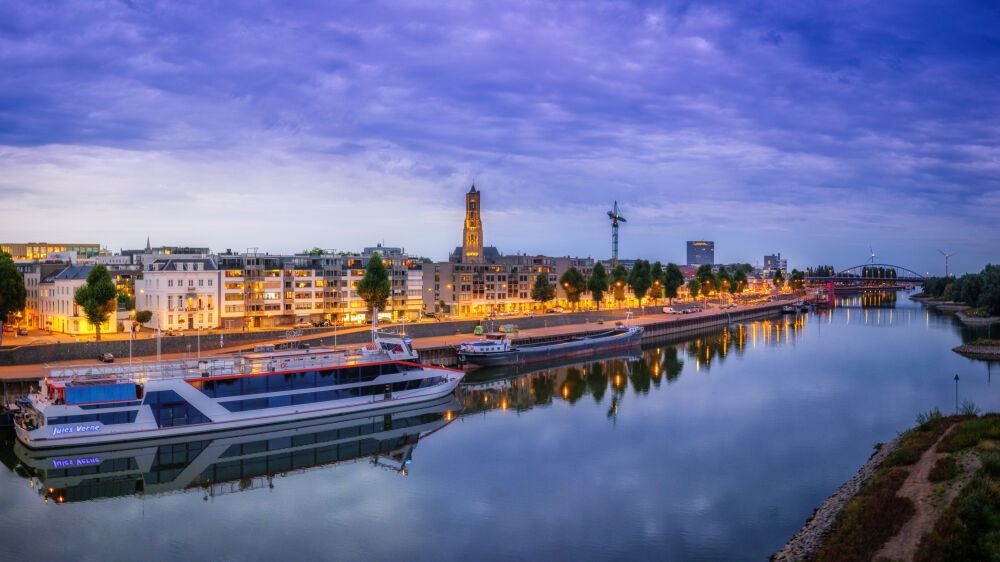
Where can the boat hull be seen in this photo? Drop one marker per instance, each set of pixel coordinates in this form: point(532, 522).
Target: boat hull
point(557, 350)
point(288, 414)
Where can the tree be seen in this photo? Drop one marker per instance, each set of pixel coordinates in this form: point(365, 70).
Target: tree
point(706, 278)
point(989, 298)
point(724, 280)
point(694, 287)
point(598, 284)
point(779, 279)
point(543, 291)
point(573, 283)
point(126, 302)
point(619, 278)
point(316, 251)
point(374, 287)
point(12, 291)
point(97, 298)
point(143, 316)
point(640, 279)
point(739, 281)
point(673, 279)
point(658, 277)
point(797, 280)
point(972, 287)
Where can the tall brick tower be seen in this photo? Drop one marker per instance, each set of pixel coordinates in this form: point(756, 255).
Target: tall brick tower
point(472, 233)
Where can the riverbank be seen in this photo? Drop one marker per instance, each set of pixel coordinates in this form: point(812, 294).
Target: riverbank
point(980, 349)
point(930, 494)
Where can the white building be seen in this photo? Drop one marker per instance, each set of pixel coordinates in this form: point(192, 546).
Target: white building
point(182, 293)
point(57, 310)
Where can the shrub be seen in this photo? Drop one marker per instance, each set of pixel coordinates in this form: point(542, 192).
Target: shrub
point(969, 408)
point(945, 469)
point(970, 433)
point(925, 419)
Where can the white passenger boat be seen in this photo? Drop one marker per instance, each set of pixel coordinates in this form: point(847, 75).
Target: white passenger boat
point(237, 460)
point(103, 404)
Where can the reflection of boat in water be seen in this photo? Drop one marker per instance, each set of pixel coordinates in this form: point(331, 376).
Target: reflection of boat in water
point(87, 405)
point(232, 461)
point(498, 349)
point(489, 377)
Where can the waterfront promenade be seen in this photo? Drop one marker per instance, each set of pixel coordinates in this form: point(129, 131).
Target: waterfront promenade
point(433, 344)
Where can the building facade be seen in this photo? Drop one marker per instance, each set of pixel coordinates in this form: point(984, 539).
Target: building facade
point(477, 280)
point(41, 250)
point(700, 252)
point(774, 263)
point(182, 294)
point(57, 310)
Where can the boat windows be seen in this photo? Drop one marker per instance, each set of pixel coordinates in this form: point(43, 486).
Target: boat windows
point(260, 384)
point(171, 410)
point(326, 395)
point(107, 418)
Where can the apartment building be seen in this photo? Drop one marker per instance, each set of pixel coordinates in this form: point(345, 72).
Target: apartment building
point(182, 294)
point(57, 310)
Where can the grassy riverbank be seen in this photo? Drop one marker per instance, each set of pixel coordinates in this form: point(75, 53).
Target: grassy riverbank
point(937, 497)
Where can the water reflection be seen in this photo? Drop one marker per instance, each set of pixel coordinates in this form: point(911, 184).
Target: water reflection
point(235, 461)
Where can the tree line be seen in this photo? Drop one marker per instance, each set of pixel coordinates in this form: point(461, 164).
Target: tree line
point(974, 289)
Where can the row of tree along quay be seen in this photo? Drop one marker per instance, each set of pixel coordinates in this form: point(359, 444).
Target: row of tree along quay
point(932, 494)
point(979, 291)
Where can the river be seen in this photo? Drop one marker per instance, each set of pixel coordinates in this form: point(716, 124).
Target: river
point(712, 447)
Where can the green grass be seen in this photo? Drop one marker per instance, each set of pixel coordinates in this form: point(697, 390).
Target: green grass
point(970, 528)
point(984, 341)
point(971, 432)
point(945, 468)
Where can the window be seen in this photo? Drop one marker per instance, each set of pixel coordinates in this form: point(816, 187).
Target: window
point(209, 282)
point(190, 282)
point(170, 282)
point(170, 319)
point(201, 282)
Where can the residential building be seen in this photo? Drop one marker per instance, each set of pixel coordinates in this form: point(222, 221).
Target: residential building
point(700, 252)
point(774, 263)
point(478, 280)
point(57, 309)
point(182, 294)
point(41, 250)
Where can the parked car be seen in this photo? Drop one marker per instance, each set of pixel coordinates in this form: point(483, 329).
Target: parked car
point(429, 315)
point(8, 328)
point(303, 324)
point(670, 310)
point(550, 311)
point(106, 358)
point(22, 331)
point(689, 311)
point(322, 323)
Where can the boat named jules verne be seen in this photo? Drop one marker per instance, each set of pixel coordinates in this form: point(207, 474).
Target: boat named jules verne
point(89, 405)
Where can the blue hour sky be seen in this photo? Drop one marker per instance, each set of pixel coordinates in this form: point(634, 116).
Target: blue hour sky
point(815, 129)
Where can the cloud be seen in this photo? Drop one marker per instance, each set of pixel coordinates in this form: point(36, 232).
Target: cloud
point(548, 106)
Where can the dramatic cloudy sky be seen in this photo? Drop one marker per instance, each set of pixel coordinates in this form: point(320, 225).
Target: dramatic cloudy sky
point(816, 129)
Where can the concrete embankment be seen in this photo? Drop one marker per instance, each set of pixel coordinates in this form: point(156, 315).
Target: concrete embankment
point(985, 352)
point(657, 327)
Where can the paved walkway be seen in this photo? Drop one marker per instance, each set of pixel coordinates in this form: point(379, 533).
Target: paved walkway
point(15, 372)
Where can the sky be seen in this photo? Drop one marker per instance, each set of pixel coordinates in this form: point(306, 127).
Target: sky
point(819, 130)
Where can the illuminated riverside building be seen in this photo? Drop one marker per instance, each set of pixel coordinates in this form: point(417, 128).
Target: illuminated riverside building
point(182, 294)
point(41, 250)
point(56, 309)
point(478, 279)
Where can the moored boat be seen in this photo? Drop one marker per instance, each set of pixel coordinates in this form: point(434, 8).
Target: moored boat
point(87, 405)
point(498, 349)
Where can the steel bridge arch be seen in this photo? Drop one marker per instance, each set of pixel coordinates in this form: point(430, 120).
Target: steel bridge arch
point(856, 271)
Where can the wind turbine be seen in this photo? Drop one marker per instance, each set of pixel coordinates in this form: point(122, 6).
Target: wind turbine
point(615, 217)
point(946, 256)
point(872, 250)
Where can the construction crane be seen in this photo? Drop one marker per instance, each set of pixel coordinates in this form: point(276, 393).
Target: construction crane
point(615, 217)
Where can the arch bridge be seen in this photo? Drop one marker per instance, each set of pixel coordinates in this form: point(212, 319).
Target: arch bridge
point(870, 273)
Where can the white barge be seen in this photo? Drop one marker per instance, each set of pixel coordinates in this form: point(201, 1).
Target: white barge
point(103, 404)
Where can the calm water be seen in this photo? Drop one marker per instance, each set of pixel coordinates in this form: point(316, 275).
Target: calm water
point(716, 447)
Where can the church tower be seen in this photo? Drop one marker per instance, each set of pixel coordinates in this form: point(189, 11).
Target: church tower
point(472, 233)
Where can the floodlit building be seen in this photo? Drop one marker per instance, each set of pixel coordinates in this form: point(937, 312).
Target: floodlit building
point(57, 310)
point(700, 252)
point(478, 279)
point(41, 250)
point(774, 263)
point(182, 294)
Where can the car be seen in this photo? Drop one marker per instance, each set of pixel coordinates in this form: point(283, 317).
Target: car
point(8, 328)
point(689, 311)
point(106, 358)
point(429, 315)
point(550, 311)
point(670, 310)
point(22, 331)
point(322, 323)
point(303, 325)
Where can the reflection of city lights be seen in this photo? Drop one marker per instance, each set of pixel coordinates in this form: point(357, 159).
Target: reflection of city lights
point(447, 415)
point(503, 404)
point(565, 391)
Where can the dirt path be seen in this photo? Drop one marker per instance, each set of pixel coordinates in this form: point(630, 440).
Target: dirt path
point(928, 500)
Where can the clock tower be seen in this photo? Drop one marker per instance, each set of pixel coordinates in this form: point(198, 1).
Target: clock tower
point(472, 233)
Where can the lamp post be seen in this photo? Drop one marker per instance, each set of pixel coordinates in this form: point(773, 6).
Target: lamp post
point(956, 393)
